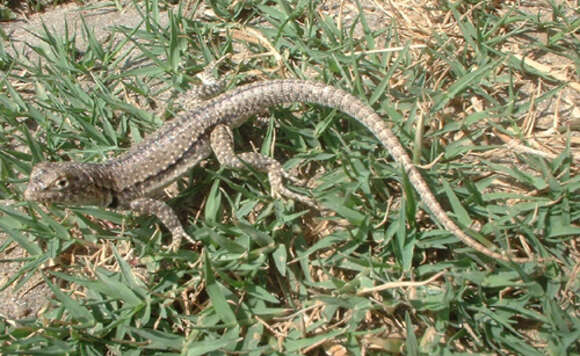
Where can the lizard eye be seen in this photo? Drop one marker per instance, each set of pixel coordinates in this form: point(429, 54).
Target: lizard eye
point(61, 183)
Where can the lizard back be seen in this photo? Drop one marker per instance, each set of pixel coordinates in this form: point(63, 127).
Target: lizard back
point(182, 142)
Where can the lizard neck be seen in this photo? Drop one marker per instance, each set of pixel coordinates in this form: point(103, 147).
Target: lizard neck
point(98, 182)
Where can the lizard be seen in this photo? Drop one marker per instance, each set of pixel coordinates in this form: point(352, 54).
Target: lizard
point(130, 180)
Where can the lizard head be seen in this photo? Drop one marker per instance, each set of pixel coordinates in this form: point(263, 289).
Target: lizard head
point(67, 183)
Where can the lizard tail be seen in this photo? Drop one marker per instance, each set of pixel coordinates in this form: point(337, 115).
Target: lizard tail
point(325, 95)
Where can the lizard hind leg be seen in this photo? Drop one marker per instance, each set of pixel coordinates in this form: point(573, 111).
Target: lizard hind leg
point(222, 144)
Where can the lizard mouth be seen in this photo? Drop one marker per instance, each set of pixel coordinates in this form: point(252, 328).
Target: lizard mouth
point(32, 194)
point(87, 197)
point(42, 196)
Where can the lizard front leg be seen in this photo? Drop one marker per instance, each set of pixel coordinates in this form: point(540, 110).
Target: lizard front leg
point(148, 206)
point(209, 87)
point(222, 144)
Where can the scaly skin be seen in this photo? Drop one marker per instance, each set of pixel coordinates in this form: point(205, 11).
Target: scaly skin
point(130, 180)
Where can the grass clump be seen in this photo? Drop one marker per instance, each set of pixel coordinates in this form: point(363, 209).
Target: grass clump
point(466, 91)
